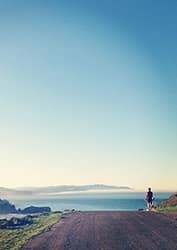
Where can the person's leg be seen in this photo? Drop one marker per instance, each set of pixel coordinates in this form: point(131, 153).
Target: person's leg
point(150, 205)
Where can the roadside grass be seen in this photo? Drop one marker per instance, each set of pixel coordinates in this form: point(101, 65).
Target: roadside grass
point(167, 208)
point(14, 239)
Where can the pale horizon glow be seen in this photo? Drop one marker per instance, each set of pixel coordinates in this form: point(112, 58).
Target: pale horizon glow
point(88, 93)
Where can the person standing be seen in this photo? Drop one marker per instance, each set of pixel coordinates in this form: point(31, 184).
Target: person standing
point(149, 198)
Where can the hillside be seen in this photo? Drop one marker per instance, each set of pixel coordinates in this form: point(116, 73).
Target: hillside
point(170, 204)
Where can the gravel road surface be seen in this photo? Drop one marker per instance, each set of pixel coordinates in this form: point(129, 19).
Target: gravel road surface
point(110, 231)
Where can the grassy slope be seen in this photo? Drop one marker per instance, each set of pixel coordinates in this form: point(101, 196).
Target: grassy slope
point(168, 205)
point(16, 238)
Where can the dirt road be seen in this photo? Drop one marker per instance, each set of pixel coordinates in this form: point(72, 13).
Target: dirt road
point(110, 231)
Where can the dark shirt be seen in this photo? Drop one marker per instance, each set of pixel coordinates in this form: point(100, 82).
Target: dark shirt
point(149, 196)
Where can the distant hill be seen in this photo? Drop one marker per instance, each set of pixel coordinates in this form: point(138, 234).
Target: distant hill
point(8, 192)
point(73, 188)
point(169, 204)
point(59, 189)
point(33, 209)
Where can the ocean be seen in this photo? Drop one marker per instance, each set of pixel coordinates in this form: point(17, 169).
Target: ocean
point(91, 201)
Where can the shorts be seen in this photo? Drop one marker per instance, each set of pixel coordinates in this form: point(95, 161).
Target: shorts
point(149, 201)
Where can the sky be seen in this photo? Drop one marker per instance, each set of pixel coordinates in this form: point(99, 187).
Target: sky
point(88, 93)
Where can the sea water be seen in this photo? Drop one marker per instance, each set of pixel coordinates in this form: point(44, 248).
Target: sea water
point(91, 201)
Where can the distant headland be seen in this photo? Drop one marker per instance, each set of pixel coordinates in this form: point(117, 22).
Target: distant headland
point(59, 189)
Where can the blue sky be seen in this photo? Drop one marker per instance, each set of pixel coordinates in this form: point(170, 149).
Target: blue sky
point(88, 93)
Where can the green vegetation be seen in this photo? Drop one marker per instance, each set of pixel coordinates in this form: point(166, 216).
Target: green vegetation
point(170, 209)
point(14, 239)
point(168, 205)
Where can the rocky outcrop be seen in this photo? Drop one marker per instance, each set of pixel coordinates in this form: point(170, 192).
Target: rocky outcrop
point(32, 209)
point(6, 207)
